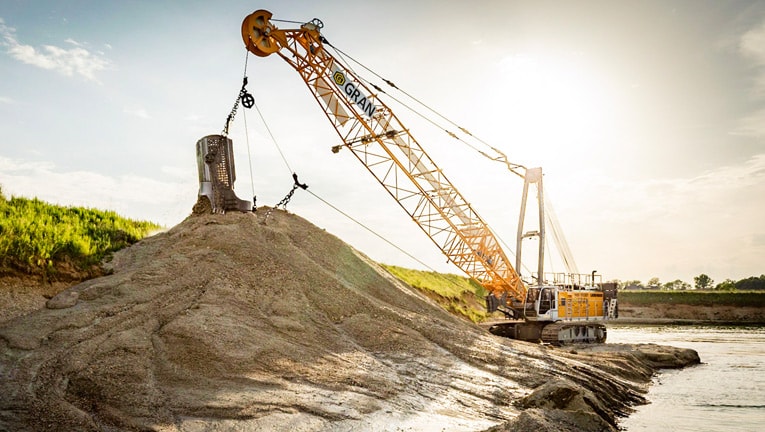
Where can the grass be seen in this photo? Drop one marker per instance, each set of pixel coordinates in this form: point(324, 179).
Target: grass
point(457, 294)
point(698, 298)
point(463, 296)
point(44, 239)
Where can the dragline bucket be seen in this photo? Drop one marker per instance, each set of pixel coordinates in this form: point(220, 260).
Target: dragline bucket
point(215, 162)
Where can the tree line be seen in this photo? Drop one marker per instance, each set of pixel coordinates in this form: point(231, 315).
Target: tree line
point(700, 282)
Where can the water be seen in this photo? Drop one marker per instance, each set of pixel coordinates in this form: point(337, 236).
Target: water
point(725, 393)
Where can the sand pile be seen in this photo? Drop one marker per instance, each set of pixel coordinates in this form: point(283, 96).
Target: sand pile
point(224, 323)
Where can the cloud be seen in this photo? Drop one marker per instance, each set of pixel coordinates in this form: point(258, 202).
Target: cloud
point(6, 100)
point(69, 62)
point(758, 240)
point(138, 112)
point(673, 227)
point(752, 47)
point(752, 44)
point(752, 125)
point(720, 191)
point(137, 197)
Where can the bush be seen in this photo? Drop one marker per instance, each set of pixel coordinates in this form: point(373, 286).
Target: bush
point(35, 237)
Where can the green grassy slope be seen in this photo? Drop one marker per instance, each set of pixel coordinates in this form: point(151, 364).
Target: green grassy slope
point(61, 242)
point(459, 295)
point(464, 297)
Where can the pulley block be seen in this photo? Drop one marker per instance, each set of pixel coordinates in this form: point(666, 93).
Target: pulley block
point(259, 35)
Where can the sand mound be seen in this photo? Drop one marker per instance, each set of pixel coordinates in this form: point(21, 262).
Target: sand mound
point(224, 323)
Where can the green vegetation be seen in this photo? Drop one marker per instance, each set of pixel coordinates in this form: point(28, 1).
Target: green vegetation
point(464, 297)
point(752, 283)
point(457, 294)
point(48, 240)
point(700, 298)
point(700, 282)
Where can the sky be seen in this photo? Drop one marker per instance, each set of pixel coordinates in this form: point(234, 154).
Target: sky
point(647, 117)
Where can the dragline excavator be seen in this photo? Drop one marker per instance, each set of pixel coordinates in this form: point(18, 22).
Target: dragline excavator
point(564, 309)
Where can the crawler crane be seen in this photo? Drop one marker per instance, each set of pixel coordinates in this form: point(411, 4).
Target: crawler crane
point(562, 310)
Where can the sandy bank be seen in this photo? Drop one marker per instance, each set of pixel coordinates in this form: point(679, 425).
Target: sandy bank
point(226, 323)
point(660, 313)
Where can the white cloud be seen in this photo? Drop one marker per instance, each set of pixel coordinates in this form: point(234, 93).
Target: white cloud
point(752, 125)
point(752, 47)
point(132, 196)
point(752, 44)
point(673, 227)
point(139, 112)
point(68, 62)
point(6, 100)
point(179, 172)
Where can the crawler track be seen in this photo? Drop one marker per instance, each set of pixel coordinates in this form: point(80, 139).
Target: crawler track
point(562, 333)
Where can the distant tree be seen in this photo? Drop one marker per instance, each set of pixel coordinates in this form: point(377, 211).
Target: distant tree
point(677, 284)
point(619, 284)
point(726, 285)
point(653, 282)
point(703, 281)
point(751, 283)
point(633, 284)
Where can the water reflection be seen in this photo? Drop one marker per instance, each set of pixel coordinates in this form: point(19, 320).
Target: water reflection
point(725, 393)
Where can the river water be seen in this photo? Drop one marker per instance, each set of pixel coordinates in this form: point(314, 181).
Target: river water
point(725, 393)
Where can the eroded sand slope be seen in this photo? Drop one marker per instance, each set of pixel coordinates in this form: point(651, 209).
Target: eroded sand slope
point(226, 323)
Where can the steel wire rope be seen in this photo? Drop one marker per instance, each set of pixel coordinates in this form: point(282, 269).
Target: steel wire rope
point(501, 156)
point(381, 237)
point(273, 139)
point(337, 209)
point(289, 168)
point(421, 115)
point(343, 55)
point(247, 135)
point(287, 21)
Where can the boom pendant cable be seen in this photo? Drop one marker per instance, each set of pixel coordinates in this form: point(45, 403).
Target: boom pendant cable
point(297, 184)
point(500, 156)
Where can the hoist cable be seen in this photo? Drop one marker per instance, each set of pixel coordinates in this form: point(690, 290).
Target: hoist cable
point(249, 153)
point(247, 134)
point(246, 57)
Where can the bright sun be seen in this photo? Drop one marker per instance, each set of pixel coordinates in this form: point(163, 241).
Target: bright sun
point(555, 108)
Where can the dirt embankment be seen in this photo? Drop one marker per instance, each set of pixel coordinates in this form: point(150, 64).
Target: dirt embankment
point(690, 314)
point(226, 323)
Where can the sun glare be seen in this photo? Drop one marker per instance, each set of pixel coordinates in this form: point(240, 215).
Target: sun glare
point(555, 107)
